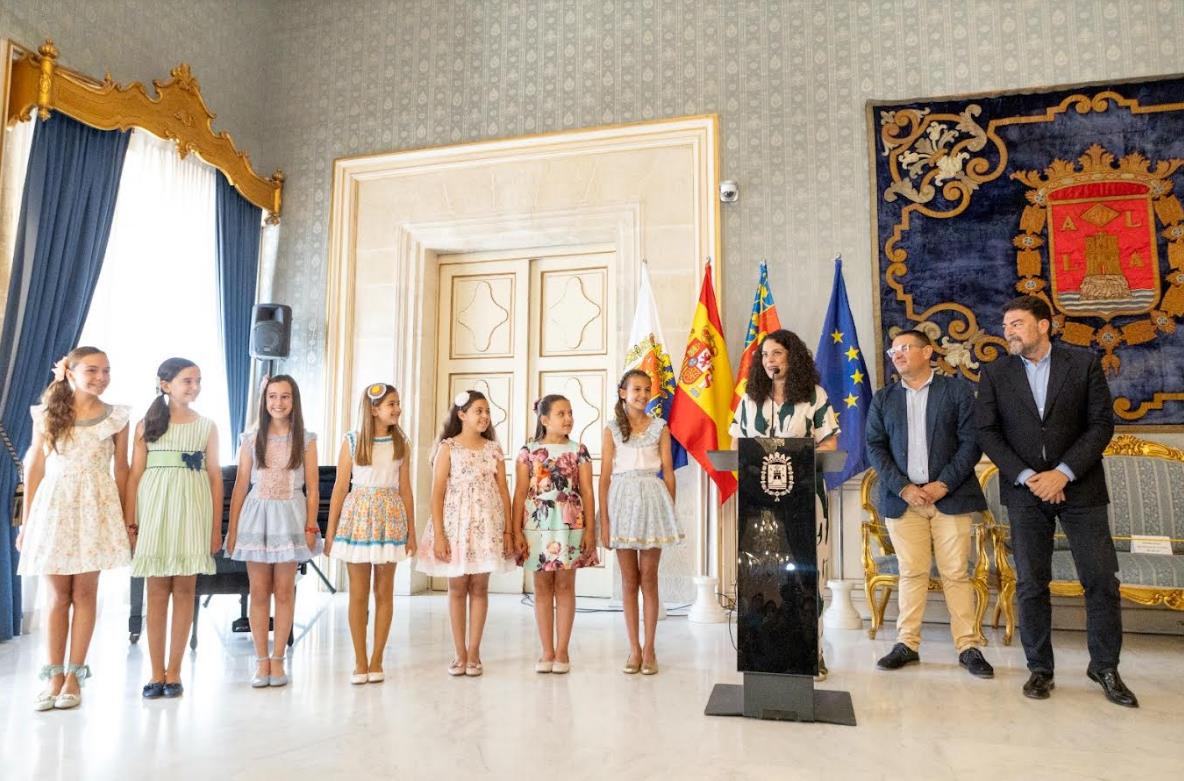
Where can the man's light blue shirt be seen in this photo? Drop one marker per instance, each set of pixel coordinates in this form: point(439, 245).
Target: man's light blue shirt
point(1037, 373)
point(916, 400)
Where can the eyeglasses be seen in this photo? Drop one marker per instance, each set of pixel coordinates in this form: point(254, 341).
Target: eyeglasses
point(902, 349)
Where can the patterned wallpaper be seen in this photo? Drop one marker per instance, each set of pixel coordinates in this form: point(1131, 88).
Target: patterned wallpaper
point(141, 40)
point(788, 79)
point(300, 82)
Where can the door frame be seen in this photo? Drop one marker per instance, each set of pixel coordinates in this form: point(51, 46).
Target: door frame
point(393, 214)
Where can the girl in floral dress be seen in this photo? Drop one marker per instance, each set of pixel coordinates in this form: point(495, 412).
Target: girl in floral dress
point(73, 515)
point(372, 527)
point(553, 525)
point(469, 537)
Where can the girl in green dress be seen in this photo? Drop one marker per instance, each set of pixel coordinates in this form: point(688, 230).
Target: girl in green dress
point(174, 497)
point(553, 524)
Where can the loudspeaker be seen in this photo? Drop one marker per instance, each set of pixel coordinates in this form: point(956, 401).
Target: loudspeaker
point(271, 333)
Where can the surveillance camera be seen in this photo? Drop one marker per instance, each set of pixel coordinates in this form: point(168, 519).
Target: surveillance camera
point(729, 191)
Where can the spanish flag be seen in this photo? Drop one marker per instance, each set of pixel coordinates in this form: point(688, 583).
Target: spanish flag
point(701, 412)
point(763, 320)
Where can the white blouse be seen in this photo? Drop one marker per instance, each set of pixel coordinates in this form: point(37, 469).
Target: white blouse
point(383, 469)
point(815, 418)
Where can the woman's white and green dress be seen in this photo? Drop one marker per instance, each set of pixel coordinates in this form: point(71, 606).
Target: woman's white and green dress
point(815, 419)
point(174, 508)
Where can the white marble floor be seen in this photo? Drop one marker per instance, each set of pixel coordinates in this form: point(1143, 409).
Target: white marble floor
point(927, 721)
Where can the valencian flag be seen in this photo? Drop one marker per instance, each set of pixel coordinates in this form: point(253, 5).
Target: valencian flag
point(763, 320)
point(647, 351)
point(702, 410)
point(844, 377)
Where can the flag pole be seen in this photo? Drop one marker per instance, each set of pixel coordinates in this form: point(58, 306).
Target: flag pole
point(706, 608)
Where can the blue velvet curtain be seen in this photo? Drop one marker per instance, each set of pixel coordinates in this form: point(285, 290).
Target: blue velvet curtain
point(65, 221)
point(239, 223)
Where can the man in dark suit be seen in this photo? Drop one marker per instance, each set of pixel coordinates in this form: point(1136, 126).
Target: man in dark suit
point(921, 442)
point(1044, 417)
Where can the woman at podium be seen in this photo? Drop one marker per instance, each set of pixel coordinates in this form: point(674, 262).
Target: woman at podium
point(782, 398)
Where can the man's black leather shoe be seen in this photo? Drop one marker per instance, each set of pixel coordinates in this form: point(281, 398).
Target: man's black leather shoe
point(972, 659)
point(1115, 689)
point(898, 657)
point(1038, 686)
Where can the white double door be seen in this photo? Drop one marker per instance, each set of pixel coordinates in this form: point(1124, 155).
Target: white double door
point(519, 328)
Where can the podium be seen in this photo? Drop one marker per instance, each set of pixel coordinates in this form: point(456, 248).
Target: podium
point(777, 610)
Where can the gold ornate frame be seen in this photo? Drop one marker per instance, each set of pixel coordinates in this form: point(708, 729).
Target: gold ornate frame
point(178, 113)
point(943, 151)
point(1120, 445)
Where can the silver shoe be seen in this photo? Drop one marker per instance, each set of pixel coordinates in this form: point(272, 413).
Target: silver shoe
point(260, 681)
point(277, 680)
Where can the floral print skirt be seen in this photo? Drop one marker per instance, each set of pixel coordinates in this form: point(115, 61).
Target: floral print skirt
point(372, 529)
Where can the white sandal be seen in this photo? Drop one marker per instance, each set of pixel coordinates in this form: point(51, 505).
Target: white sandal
point(68, 700)
point(44, 701)
point(261, 681)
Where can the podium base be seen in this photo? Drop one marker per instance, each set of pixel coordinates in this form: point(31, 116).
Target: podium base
point(706, 609)
point(827, 707)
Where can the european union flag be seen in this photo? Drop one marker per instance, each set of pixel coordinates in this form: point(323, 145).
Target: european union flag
point(844, 377)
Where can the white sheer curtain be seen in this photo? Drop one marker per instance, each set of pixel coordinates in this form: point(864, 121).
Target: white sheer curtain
point(157, 294)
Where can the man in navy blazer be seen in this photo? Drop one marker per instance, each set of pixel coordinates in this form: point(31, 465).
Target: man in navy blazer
point(1044, 416)
point(921, 442)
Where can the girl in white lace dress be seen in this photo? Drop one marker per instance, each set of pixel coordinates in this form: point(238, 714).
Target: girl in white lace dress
point(637, 508)
point(469, 536)
point(74, 523)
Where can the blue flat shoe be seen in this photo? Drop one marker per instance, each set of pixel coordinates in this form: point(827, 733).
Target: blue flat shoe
point(153, 690)
point(173, 689)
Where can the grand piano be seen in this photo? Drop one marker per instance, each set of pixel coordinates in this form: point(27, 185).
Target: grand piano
point(231, 577)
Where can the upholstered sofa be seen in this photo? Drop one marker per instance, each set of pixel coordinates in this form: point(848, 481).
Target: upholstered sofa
point(1146, 484)
point(881, 569)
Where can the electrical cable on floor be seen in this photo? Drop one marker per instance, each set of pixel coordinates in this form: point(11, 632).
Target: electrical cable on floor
point(528, 599)
point(729, 606)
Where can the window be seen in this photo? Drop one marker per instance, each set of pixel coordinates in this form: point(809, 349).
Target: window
point(157, 294)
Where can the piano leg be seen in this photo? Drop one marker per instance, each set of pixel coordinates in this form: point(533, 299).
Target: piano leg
point(321, 575)
point(135, 619)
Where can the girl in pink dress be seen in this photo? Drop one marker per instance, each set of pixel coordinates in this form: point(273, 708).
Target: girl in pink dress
point(468, 537)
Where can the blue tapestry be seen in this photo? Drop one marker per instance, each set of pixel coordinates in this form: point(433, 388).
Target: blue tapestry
point(1070, 194)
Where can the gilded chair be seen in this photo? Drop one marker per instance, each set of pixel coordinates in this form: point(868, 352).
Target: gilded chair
point(1146, 484)
point(881, 571)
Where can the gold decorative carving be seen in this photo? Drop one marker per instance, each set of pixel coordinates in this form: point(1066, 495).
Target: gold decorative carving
point(177, 113)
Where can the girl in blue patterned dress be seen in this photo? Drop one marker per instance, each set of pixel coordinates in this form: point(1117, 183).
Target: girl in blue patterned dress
point(637, 508)
point(274, 527)
point(553, 524)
